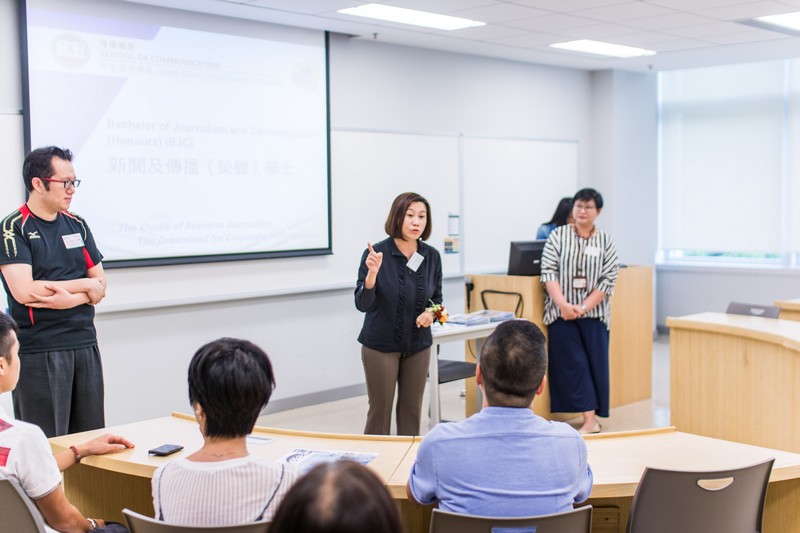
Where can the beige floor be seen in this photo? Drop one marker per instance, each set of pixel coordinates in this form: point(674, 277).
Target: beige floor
point(348, 416)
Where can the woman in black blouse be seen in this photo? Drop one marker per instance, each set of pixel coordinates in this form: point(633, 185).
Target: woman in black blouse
point(397, 280)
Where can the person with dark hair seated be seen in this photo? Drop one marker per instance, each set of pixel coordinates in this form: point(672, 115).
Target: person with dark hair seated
point(230, 382)
point(338, 497)
point(561, 217)
point(25, 454)
point(504, 461)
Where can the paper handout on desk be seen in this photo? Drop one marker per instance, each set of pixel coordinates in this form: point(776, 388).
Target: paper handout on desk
point(304, 459)
point(480, 317)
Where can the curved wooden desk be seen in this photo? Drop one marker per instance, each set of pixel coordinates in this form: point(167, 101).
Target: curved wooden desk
point(101, 486)
point(790, 309)
point(737, 378)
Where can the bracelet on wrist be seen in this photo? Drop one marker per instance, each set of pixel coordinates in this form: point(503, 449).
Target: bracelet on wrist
point(92, 522)
point(78, 456)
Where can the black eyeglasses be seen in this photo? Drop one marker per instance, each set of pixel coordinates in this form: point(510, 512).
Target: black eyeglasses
point(68, 184)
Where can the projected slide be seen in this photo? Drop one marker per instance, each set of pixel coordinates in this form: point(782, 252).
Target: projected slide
point(188, 142)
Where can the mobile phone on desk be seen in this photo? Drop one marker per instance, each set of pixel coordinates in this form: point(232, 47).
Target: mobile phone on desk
point(165, 449)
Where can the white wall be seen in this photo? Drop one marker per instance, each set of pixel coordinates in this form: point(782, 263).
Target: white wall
point(625, 137)
point(11, 150)
point(311, 337)
point(685, 290)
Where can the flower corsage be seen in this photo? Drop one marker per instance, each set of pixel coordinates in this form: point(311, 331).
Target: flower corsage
point(439, 312)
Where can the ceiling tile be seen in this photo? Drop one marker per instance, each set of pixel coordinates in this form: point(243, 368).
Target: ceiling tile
point(596, 31)
point(309, 7)
point(530, 40)
point(643, 39)
point(748, 10)
point(671, 20)
point(750, 36)
point(704, 30)
point(499, 13)
point(680, 44)
point(437, 6)
point(566, 6)
point(486, 33)
point(552, 22)
point(693, 5)
point(623, 12)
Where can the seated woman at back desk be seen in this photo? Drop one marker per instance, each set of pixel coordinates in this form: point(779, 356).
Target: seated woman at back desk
point(230, 382)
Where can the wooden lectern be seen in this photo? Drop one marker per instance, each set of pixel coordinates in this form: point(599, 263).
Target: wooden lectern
point(631, 336)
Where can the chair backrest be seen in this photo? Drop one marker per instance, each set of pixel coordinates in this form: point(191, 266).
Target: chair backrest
point(765, 311)
point(699, 502)
point(138, 523)
point(575, 521)
point(16, 508)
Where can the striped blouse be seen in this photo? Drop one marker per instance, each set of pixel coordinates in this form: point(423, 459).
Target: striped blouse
point(565, 256)
point(222, 493)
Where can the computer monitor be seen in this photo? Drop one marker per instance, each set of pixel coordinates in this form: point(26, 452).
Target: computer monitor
point(525, 258)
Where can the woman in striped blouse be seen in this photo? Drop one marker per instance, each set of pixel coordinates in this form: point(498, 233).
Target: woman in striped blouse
point(579, 269)
point(221, 484)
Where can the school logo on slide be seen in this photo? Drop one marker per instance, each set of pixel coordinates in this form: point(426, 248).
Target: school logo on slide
point(70, 51)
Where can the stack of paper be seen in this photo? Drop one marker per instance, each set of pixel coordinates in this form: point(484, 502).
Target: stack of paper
point(472, 319)
point(480, 317)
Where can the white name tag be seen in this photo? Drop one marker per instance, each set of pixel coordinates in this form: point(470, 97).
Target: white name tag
point(73, 241)
point(592, 251)
point(415, 261)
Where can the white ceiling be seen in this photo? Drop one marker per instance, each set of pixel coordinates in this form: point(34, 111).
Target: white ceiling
point(685, 33)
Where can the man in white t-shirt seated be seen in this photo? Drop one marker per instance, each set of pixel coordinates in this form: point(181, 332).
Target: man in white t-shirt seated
point(25, 454)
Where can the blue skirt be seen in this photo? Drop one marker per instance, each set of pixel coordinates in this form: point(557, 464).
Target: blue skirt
point(578, 366)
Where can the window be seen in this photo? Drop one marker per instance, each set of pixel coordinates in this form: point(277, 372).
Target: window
point(730, 164)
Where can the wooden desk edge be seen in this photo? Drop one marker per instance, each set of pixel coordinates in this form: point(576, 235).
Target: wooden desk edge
point(693, 323)
point(792, 305)
point(631, 433)
point(313, 434)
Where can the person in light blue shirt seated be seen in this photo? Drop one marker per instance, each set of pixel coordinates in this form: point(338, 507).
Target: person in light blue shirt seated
point(504, 460)
point(562, 215)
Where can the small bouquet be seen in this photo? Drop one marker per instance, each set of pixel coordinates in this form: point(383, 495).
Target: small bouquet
point(439, 312)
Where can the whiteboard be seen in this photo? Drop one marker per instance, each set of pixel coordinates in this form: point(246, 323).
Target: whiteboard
point(510, 187)
point(371, 168)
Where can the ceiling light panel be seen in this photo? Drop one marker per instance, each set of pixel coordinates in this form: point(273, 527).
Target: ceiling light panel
point(411, 16)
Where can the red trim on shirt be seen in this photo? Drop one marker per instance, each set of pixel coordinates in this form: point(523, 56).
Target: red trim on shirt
point(88, 259)
point(4, 425)
point(30, 314)
point(4, 455)
point(26, 214)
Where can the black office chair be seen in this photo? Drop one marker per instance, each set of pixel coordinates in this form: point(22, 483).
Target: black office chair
point(453, 371)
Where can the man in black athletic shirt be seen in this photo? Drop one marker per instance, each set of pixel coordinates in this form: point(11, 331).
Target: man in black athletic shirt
point(53, 276)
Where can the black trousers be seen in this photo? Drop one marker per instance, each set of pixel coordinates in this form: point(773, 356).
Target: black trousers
point(61, 391)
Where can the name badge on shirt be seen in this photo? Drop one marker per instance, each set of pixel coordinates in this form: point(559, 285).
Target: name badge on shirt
point(592, 251)
point(579, 282)
point(73, 241)
point(415, 261)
